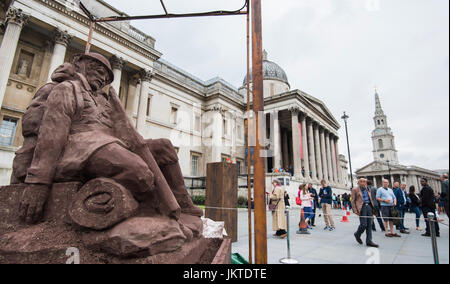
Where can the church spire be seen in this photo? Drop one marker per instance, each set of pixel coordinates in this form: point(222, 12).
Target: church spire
point(378, 109)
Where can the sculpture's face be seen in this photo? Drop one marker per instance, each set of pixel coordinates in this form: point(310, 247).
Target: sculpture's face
point(95, 73)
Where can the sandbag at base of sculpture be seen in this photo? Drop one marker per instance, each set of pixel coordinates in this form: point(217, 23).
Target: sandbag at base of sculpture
point(138, 237)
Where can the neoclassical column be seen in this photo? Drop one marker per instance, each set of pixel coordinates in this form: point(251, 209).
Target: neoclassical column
point(334, 159)
point(285, 150)
point(324, 155)
point(117, 64)
point(305, 147)
point(146, 78)
point(136, 97)
point(61, 40)
point(276, 140)
point(329, 159)
point(296, 142)
point(15, 20)
point(312, 152)
point(318, 152)
point(217, 134)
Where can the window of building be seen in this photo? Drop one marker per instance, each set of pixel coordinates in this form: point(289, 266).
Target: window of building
point(174, 115)
point(380, 143)
point(195, 164)
point(197, 124)
point(8, 131)
point(225, 127)
point(149, 100)
point(239, 132)
point(25, 63)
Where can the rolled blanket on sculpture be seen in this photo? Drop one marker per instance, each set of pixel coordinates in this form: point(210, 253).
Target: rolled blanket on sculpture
point(101, 203)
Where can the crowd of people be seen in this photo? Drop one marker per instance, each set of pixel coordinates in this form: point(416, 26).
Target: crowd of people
point(387, 205)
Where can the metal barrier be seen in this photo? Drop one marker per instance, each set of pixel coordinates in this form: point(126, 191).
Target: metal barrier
point(288, 259)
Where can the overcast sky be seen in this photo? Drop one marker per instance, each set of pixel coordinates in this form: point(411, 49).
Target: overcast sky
point(337, 51)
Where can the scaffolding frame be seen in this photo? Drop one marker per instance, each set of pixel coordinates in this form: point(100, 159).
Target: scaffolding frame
point(252, 9)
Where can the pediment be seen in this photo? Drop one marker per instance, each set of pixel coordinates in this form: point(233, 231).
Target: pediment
point(319, 107)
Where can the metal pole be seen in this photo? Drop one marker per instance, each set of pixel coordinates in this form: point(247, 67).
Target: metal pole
point(345, 117)
point(432, 226)
point(249, 181)
point(288, 260)
point(259, 176)
point(89, 40)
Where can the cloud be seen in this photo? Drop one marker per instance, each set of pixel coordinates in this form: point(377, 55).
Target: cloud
point(336, 51)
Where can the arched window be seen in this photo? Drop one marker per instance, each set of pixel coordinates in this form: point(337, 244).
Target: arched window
point(378, 122)
point(380, 143)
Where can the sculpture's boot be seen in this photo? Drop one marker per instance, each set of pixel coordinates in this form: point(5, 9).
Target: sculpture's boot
point(174, 177)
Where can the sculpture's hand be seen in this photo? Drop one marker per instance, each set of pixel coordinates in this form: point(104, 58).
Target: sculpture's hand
point(32, 203)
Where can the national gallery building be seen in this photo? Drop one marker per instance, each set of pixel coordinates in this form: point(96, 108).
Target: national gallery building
point(203, 119)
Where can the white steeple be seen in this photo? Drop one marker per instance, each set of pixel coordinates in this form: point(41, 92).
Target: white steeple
point(383, 137)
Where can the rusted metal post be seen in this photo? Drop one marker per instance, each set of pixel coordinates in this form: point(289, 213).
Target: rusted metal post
point(249, 159)
point(259, 177)
point(89, 40)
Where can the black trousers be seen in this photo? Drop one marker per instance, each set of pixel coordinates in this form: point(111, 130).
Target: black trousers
point(379, 219)
point(366, 221)
point(436, 223)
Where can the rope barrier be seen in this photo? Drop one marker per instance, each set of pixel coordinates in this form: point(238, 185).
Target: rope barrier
point(354, 216)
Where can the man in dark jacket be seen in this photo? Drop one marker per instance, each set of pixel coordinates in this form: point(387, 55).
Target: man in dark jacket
point(444, 192)
point(428, 206)
point(313, 192)
point(376, 206)
point(326, 199)
point(402, 199)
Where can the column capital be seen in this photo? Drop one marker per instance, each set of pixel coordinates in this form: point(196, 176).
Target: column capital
point(216, 108)
point(117, 62)
point(61, 37)
point(295, 110)
point(146, 75)
point(16, 16)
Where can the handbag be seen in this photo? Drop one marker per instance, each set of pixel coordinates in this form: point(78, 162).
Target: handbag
point(273, 207)
point(395, 215)
point(298, 200)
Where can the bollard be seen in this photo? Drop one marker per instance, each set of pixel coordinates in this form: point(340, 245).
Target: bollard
point(288, 260)
point(432, 227)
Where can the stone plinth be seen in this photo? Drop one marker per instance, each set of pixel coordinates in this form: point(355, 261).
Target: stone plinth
point(141, 239)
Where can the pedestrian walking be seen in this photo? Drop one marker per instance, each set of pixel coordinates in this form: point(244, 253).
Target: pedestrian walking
point(376, 205)
point(363, 207)
point(428, 206)
point(325, 195)
point(277, 206)
point(402, 202)
point(387, 200)
point(415, 205)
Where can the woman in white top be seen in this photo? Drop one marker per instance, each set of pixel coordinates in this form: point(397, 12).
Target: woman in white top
point(307, 203)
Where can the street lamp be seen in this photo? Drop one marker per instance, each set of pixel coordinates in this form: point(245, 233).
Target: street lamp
point(345, 117)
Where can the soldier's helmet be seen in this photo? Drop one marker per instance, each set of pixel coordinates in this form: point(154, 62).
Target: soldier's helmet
point(100, 59)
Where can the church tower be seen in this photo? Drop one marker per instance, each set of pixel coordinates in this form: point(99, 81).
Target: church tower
point(383, 137)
